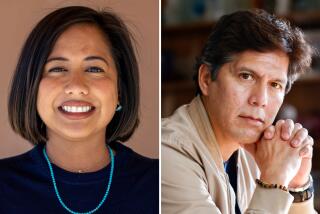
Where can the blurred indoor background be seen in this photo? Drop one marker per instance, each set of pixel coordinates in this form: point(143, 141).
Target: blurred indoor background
point(186, 25)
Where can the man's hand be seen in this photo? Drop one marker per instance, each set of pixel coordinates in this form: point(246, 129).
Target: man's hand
point(297, 137)
point(277, 160)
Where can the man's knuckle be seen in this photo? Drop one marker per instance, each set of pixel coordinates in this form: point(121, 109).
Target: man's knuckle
point(279, 122)
point(305, 131)
point(310, 140)
point(298, 125)
point(289, 122)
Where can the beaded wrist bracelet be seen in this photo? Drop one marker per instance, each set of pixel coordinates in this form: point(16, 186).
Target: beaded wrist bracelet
point(271, 186)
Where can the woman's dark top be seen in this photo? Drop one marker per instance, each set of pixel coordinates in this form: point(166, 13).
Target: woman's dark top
point(26, 185)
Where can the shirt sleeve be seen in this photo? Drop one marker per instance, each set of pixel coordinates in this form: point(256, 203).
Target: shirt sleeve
point(277, 201)
point(306, 207)
point(269, 201)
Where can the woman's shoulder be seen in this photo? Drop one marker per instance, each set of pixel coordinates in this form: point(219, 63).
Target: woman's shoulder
point(134, 162)
point(18, 162)
point(14, 159)
point(138, 176)
point(144, 163)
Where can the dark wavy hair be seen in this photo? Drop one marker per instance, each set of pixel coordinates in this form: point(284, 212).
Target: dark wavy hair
point(254, 30)
point(22, 108)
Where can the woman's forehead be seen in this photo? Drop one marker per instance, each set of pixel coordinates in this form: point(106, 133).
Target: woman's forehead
point(81, 39)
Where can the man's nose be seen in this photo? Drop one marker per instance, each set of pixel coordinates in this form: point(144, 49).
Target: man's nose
point(76, 85)
point(259, 95)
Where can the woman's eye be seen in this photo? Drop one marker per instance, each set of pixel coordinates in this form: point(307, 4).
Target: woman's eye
point(95, 70)
point(246, 76)
point(57, 69)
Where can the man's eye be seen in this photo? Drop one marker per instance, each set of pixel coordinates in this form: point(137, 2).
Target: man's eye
point(276, 85)
point(94, 70)
point(57, 69)
point(246, 76)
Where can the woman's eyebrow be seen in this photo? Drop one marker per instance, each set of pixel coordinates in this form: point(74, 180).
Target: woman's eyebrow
point(56, 59)
point(96, 58)
point(89, 58)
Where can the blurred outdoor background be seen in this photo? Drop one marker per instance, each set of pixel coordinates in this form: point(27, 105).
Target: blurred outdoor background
point(186, 25)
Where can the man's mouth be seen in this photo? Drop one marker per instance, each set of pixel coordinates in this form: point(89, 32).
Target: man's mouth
point(251, 118)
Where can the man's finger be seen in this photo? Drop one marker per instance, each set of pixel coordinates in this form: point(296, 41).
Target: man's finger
point(307, 148)
point(278, 127)
point(306, 152)
point(286, 129)
point(269, 132)
point(299, 137)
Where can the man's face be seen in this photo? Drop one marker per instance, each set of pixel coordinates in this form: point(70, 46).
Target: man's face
point(246, 96)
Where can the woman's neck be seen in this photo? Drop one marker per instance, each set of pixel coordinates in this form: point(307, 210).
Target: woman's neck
point(81, 156)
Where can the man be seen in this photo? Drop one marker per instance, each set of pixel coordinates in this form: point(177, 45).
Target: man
point(221, 153)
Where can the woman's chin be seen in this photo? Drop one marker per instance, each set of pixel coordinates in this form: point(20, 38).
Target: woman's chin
point(74, 135)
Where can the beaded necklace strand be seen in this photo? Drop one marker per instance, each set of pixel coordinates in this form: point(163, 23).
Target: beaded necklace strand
point(57, 192)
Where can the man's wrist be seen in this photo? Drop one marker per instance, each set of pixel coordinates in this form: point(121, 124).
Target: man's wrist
point(304, 192)
point(302, 187)
point(274, 179)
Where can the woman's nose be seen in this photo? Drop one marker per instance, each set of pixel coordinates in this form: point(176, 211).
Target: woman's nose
point(76, 85)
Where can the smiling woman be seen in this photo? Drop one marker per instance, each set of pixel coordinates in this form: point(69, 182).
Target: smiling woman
point(80, 74)
point(75, 95)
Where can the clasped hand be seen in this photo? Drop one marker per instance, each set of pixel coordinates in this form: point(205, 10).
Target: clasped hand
point(284, 154)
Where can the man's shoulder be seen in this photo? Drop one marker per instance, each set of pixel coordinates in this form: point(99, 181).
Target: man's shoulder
point(180, 140)
point(178, 127)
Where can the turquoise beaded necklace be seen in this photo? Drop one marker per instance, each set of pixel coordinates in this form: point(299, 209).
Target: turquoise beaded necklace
point(57, 192)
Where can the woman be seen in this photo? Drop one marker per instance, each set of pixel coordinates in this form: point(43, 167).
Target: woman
point(75, 95)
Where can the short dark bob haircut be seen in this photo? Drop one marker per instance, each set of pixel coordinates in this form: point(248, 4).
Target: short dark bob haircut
point(22, 108)
point(254, 30)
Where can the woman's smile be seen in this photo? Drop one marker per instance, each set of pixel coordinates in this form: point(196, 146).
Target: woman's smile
point(76, 109)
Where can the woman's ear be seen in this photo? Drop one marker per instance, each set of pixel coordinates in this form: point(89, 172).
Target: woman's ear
point(204, 78)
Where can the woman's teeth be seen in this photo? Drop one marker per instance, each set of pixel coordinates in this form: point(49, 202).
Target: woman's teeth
point(77, 109)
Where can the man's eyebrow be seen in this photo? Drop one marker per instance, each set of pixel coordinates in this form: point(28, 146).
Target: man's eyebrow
point(280, 80)
point(244, 68)
point(86, 59)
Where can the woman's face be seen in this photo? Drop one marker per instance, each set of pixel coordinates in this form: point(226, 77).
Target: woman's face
point(78, 92)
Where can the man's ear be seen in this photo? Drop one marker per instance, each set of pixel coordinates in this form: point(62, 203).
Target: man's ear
point(204, 79)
